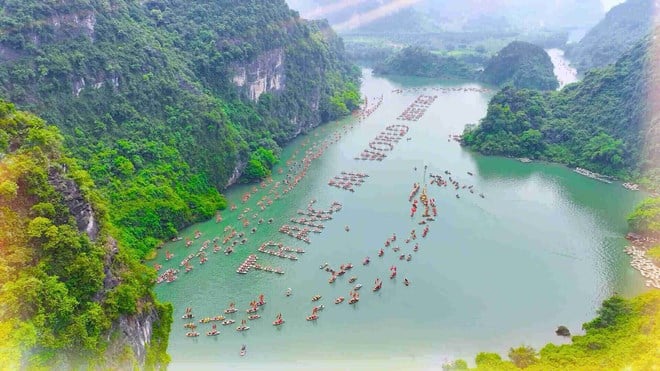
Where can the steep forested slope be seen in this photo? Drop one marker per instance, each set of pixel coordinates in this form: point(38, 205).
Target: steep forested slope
point(600, 123)
point(522, 65)
point(623, 26)
point(66, 288)
point(165, 101)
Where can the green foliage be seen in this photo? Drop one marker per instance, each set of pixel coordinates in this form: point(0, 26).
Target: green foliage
point(625, 335)
point(645, 218)
point(146, 96)
point(623, 26)
point(259, 165)
point(598, 123)
point(458, 364)
point(417, 61)
point(613, 309)
point(522, 65)
point(523, 356)
point(56, 311)
point(654, 253)
point(492, 361)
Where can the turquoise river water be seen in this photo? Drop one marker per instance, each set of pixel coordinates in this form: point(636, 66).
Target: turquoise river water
point(543, 248)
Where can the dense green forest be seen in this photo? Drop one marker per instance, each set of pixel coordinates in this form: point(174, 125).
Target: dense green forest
point(145, 93)
point(624, 335)
point(646, 217)
point(623, 26)
point(416, 61)
point(522, 65)
point(63, 282)
point(598, 123)
point(519, 64)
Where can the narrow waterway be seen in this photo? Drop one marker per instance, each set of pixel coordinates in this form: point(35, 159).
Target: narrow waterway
point(543, 248)
point(562, 68)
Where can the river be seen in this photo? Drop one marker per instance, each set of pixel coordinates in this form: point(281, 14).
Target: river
point(562, 68)
point(542, 249)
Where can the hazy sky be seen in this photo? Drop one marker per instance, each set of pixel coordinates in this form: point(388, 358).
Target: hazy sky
point(607, 4)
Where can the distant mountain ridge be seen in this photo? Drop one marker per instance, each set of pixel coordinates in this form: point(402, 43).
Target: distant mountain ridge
point(520, 13)
point(623, 26)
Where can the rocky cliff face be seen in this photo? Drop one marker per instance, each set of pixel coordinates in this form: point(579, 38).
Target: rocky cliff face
point(73, 198)
point(264, 74)
point(135, 331)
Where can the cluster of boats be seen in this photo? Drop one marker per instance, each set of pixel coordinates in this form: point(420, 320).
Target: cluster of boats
point(441, 182)
point(417, 108)
point(631, 186)
point(368, 110)
point(442, 90)
point(348, 181)
point(384, 142)
point(267, 268)
point(302, 233)
point(170, 275)
point(340, 272)
point(245, 266)
point(592, 175)
point(281, 250)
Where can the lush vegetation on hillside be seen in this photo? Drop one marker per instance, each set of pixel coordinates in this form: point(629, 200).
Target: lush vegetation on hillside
point(416, 61)
point(645, 219)
point(60, 291)
point(623, 26)
point(598, 123)
point(522, 65)
point(625, 335)
point(143, 93)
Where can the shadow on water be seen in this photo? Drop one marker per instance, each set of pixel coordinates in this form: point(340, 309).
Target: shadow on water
point(600, 199)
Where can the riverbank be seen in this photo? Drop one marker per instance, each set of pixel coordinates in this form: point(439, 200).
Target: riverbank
point(646, 266)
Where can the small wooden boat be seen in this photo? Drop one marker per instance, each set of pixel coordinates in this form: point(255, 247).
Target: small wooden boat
point(320, 307)
point(316, 298)
point(357, 287)
point(192, 334)
point(278, 322)
point(254, 316)
point(339, 300)
point(213, 333)
point(313, 317)
point(231, 310)
point(242, 328)
point(352, 279)
point(228, 322)
point(252, 310)
point(243, 350)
